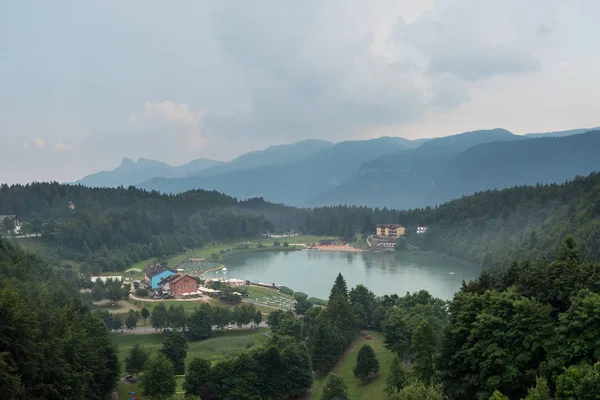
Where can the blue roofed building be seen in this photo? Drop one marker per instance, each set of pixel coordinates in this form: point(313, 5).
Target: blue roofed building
point(156, 279)
point(156, 273)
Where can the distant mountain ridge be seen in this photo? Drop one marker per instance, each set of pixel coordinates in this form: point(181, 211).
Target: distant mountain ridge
point(446, 170)
point(292, 183)
point(385, 172)
point(130, 172)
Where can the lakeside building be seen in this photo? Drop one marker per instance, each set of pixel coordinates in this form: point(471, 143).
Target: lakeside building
point(421, 230)
point(390, 231)
point(179, 284)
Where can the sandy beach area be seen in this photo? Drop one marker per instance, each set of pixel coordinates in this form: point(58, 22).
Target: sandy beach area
point(339, 248)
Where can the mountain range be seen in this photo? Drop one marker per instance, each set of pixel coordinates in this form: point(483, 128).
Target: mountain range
point(384, 172)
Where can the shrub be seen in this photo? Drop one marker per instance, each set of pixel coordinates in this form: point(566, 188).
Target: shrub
point(139, 292)
point(300, 295)
point(286, 290)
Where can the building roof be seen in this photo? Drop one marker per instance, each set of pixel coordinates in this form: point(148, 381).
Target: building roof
point(154, 269)
point(7, 216)
point(389, 226)
point(170, 278)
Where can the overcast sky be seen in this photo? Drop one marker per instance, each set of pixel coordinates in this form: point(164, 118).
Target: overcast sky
point(85, 83)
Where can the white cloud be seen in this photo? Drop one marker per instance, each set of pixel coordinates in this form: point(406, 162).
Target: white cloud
point(62, 146)
point(39, 143)
point(132, 119)
point(180, 113)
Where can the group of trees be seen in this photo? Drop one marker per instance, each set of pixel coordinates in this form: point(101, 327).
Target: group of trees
point(51, 345)
point(282, 369)
point(200, 322)
point(535, 324)
point(110, 229)
point(112, 289)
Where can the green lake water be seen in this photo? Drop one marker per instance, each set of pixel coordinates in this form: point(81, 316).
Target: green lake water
point(313, 272)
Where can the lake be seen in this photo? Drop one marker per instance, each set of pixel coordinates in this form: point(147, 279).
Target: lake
point(314, 272)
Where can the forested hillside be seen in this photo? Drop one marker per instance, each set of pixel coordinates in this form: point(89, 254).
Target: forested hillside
point(113, 228)
point(51, 346)
point(491, 227)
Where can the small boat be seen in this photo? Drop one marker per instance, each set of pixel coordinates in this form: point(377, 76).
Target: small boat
point(450, 273)
point(224, 270)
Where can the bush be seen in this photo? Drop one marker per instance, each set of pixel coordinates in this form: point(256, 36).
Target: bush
point(286, 290)
point(139, 292)
point(318, 302)
point(276, 243)
point(300, 295)
point(260, 246)
point(285, 244)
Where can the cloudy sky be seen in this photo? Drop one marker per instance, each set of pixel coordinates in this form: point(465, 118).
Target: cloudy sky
point(85, 83)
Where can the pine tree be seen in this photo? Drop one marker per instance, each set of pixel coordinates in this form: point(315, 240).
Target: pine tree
point(423, 343)
point(335, 389)
point(339, 287)
point(366, 364)
point(397, 378)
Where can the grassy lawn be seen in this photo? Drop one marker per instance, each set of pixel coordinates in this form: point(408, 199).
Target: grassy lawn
point(224, 345)
point(373, 389)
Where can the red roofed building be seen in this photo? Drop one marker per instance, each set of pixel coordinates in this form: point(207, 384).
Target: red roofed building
point(179, 284)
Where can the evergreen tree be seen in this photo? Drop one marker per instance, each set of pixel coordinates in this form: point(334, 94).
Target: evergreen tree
point(145, 314)
point(335, 389)
point(175, 348)
point(397, 332)
point(424, 345)
point(366, 364)
point(397, 378)
point(339, 287)
point(138, 356)
point(158, 380)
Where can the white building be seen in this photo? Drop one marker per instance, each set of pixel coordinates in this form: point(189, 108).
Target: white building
point(421, 230)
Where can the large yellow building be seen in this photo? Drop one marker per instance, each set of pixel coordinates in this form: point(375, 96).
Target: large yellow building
point(390, 230)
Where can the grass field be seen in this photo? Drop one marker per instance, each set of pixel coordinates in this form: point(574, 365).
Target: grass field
point(372, 390)
point(224, 345)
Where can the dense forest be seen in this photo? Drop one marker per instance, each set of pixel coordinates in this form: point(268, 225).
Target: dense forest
point(113, 228)
point(51, 345)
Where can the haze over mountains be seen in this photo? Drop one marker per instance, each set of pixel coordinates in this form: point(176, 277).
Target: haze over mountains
point(383, 172)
